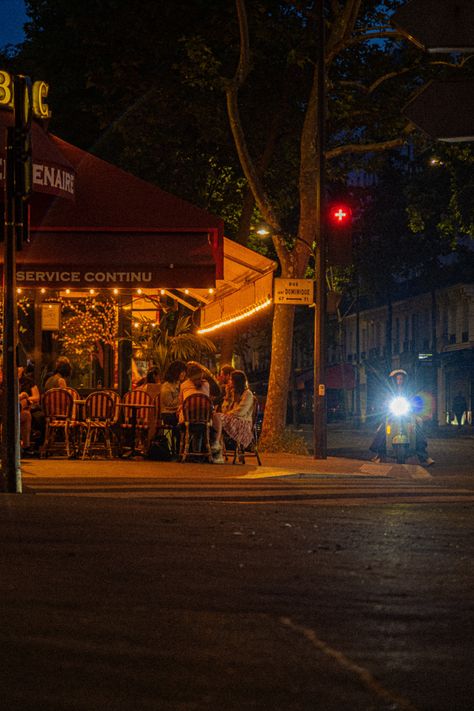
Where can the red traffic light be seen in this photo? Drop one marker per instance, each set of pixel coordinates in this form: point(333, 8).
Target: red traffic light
point(340, 215)
point(339, 234)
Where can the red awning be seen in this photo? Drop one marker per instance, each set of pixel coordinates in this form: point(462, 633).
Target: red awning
point(118, 231)
point(53, 175)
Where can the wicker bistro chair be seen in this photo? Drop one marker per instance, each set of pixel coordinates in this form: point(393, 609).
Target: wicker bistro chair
point(240, 452)
point(99, 413)
point(115, 422)
point(197, 414)
point(58, 407)
point(137, 416)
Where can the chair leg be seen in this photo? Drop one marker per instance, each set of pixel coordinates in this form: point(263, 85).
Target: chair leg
point(87, 442)
point(207, 443)
point(185, 452)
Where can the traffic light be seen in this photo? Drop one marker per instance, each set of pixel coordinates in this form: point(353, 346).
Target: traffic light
point(339, 234)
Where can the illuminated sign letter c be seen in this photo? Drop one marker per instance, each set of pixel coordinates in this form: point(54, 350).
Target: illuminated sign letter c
point(40, 92)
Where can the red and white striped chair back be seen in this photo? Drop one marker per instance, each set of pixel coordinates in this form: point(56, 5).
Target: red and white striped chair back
point(197, 409)
point(58, 404)
point(143, 414)
point(116, 398)
point(100, 406)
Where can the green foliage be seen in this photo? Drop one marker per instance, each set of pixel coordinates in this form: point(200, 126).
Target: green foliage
point(162, 343)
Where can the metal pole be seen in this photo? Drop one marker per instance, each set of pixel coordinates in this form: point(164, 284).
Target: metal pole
point(11, 471)
point(319, 397)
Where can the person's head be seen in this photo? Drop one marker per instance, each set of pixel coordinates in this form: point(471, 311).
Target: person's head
point(153, 375)
point(196, 374)
point(225, 373)
point(176, 371)
point(399, 377)
point(239, 382)
point(63, 367)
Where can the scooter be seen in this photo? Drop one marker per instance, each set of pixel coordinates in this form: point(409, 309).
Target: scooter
point(400, 429)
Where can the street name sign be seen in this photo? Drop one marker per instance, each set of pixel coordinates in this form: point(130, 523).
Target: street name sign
point(294, 291)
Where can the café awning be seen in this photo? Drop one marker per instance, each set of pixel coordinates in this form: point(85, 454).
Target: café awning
point(246, 287)
point(119, 231)
point(53, 175)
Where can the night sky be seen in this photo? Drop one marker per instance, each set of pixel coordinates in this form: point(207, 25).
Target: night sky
point(12, 18)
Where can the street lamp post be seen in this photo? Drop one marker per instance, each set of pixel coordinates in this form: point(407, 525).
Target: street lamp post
point(319, 396)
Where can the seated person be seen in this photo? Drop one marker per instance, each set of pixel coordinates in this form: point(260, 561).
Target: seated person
point(196, 383)
point(62, 371)
point(237, 420)
point(225, 383)
point(169, 399)
point(29, 395)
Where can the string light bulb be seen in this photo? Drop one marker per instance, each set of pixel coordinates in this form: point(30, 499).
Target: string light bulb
point(238, 317)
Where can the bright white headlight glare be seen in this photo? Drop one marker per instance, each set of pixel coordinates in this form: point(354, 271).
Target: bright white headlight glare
point(400, 406)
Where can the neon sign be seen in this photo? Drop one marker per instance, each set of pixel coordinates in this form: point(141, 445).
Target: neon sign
point(40, 93)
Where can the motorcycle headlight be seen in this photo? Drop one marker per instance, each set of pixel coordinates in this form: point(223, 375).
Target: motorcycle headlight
point(400, 406)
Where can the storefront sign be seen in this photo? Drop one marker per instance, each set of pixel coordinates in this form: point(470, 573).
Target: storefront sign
point(64, 278)
point(294, 291)
point(40, 92)
point(50, 317)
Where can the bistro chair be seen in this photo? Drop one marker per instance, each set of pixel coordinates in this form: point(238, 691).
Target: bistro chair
point(58, 406)
point(240, 452)
point(115, 422)
point(99, 412)
point(137, 415)
point(197, 414)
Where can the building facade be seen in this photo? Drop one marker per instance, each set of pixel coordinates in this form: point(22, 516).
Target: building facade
point(429, 335)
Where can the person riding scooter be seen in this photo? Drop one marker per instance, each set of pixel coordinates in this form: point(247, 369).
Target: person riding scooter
point(401, 402)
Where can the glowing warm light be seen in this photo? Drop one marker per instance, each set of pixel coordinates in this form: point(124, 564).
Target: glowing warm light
point(211, 290)
point(92, 291)
point(263, 231)
point(139, 291)
point(186, 291)
point(136, 324)
point(68, 291)
point(18, 291)
point(116, 291)
point(162, 292)
point(43, 290)
point(239, 317)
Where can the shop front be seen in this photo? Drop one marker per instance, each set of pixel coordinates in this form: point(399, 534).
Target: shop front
point(101, 237)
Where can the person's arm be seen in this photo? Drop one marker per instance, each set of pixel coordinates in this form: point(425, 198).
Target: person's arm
point(24, 400)
point(35, 395)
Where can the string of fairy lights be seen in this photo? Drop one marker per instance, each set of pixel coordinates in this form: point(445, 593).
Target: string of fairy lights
point(92, 318)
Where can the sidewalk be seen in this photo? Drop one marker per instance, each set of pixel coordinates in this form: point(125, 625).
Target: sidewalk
point(273, 465)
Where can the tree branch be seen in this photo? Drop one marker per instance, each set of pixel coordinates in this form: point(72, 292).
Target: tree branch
point(377, 146)
point(248, 166)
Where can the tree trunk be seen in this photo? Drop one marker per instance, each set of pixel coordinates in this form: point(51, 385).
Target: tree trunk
point(282, 342)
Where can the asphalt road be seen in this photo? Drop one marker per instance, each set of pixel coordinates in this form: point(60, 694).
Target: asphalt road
point(147, 586)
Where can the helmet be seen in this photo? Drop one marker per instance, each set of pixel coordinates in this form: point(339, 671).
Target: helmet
point(394, 373)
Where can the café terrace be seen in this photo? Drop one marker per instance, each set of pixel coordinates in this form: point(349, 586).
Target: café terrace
point(96, 229)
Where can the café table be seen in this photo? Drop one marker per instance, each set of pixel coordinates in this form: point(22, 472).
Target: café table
point(133, 423)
